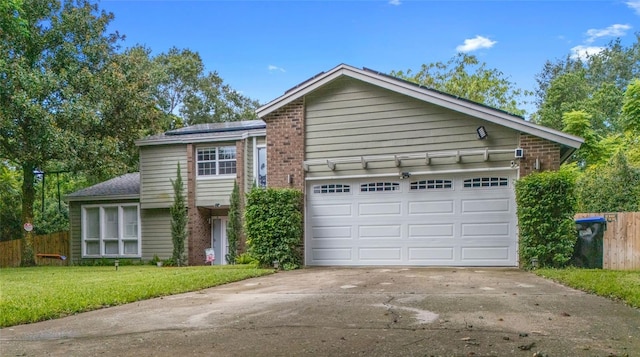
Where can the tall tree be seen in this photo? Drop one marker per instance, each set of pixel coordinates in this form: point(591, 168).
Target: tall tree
point(58, 105)
point(465, 76)
point(178, 212)
point(187, 95)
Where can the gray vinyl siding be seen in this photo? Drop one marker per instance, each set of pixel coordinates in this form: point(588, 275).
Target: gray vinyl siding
point(158, 166)
point(156, 234)
point(349, 118)
point(75, 232)
point(262, 140)
point(210, 192)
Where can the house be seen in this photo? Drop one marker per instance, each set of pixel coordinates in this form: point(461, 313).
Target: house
point(393, 174)
point(128, 216)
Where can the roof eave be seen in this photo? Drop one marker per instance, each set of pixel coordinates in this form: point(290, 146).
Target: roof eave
point(102, 198)
point(168, 140)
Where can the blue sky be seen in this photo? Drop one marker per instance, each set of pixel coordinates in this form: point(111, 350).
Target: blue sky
point(262, 48)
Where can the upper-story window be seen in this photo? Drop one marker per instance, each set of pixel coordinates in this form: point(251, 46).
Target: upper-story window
point(214, 161)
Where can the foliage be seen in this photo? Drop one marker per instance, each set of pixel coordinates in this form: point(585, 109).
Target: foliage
point(108, 287)
point(247, 258)
point(631, 107)
point(578, 123)
point(614, 187)
point(273, 225)
point(10, 224)
point(183, 86)
point(464, 76)
point(615, 284)
point(546, 207)
point(234, 224)
point(178, 213)
point(594, 84)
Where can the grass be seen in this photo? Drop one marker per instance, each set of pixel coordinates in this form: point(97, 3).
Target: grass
point(41, 293)
point(621, 285)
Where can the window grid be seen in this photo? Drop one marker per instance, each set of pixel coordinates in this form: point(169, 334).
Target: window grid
point(212, 161)
point(111, 230)
point(431, 185)
point(332, 188)
point(379, 187)
point(486, 182)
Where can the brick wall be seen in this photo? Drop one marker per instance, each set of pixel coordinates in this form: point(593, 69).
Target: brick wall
point(547, 153)
point(285, 146)
point(198, 227)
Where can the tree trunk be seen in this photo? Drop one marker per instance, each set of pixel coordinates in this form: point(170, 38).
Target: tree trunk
point(28, 197)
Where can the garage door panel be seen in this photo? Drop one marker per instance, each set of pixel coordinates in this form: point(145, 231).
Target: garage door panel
point(342, 255)
point(380, 209)
point(486, 205)
point(485, 253)
point(380, 231)
point(485, 229)
point(429, 255)
point(332, 210)
point(433, 207)
point(431, 230)
point(329, 232)
point(380, 254)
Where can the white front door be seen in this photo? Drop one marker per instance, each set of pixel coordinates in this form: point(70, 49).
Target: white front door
point(433, 220)
point(219, 239)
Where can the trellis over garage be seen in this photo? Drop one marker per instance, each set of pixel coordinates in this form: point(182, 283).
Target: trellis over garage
point(399, 174)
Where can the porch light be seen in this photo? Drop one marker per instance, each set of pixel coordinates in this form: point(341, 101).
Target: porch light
point(482, 133)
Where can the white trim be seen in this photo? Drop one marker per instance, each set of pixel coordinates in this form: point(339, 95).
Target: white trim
point(416, 173)
point(430, 96)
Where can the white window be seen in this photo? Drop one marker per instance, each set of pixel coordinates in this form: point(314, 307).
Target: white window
point(431, 185)
point(379, 186)
point(486, 182)
point(111, 230)
point(332, 188)
point(216, 161)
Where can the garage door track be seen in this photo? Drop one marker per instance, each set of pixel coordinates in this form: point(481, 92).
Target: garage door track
point(350, 311)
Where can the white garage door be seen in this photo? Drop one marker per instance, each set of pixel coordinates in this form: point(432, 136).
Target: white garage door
point(461, 221)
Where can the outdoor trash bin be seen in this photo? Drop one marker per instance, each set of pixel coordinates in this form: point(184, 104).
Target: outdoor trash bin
point(588, 250)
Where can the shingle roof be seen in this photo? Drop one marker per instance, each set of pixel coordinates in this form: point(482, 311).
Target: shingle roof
point(125, 186)
point(227, 131)
point(219, 127)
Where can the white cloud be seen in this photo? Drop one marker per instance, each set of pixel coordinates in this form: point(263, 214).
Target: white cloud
point(582, 52)
point(635, 5)
point(476, 43)
point(616, 30)
point(275, 68)
point(394, 2)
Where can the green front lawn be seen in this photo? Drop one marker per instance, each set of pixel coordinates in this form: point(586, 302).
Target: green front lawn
point(41, 293)
point(616, 284)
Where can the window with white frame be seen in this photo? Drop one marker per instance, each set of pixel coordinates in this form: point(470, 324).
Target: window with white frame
point(216, 161)
point(431, 185)
point(478, 182)
point(111, 230)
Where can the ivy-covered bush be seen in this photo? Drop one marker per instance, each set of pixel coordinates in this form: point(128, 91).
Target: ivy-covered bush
point(546, 209)
point(614, 187)
point(274, 227)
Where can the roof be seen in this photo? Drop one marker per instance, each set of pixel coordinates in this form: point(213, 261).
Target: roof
point(425, 94)
point(226, 131)
point(126, 186)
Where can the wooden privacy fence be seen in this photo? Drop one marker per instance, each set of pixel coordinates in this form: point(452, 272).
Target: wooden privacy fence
point(54, 243)
point(621, 249)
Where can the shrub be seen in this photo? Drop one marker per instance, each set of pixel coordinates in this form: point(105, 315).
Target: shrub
point(546, 209)
point(178, 220)
point(273, 225)
point(234, 226)
point(614, 187)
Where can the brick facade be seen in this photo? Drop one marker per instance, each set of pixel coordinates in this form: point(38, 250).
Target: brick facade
point(547, 153)
point(198, 226)
point(285, 146)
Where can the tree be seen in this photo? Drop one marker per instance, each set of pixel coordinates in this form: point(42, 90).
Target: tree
point(234, 224)
point(10, 226)
point(59, 105)
point(464, 76)
point(184, 88)
point(578, 123)
point(595, 84)
point(178, 213)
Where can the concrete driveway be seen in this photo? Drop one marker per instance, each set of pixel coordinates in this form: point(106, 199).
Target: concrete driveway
point(350, 311)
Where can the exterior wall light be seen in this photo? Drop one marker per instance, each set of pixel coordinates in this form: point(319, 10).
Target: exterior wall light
point(482, 133)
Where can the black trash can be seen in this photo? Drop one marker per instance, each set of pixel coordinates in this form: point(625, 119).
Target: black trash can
point(589, 246)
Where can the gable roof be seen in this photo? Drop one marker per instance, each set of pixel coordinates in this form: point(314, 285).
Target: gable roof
point(425, 94)
point(126, 186)
point(226, 131)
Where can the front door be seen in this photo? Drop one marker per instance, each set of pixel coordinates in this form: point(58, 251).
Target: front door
point(219, 239)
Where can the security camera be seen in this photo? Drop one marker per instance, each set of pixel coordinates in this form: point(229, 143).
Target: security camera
point(405, 175)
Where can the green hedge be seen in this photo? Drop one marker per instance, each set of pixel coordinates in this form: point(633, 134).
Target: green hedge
point(546, 210)
point(274, 226)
